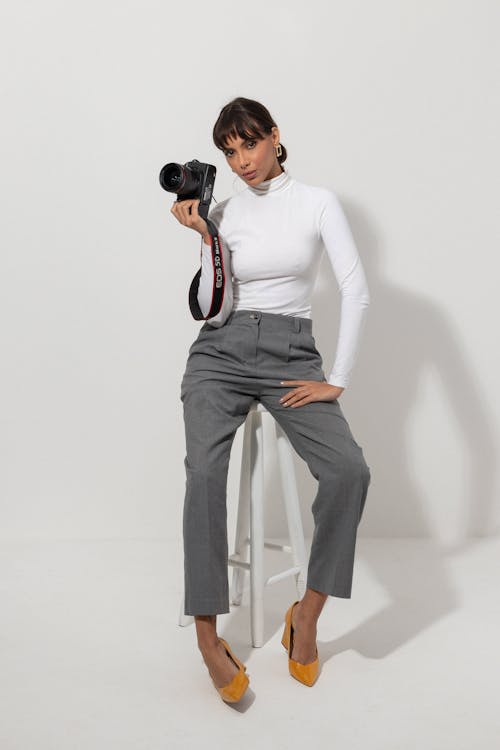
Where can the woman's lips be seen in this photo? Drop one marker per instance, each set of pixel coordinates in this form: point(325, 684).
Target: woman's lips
point(250, 175)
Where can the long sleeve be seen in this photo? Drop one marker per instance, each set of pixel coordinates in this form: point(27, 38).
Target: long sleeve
point(207, 279)
point(350, 275)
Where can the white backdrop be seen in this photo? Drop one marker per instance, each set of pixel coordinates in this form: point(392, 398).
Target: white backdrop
point(394, 105)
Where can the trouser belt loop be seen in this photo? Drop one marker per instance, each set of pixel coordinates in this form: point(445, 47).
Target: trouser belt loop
point(297, 323)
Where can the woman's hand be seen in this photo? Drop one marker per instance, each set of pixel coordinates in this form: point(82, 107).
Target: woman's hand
point(309, 390)
point(186, 212)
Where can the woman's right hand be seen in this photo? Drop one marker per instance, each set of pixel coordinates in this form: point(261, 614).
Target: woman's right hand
point(186, 212)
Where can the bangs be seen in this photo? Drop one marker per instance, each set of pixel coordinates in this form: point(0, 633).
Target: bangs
point(233, 124)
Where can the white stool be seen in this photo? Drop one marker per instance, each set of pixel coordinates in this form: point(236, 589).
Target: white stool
point(250, 523)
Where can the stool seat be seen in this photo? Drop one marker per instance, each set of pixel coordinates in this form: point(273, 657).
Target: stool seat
point(250, 540)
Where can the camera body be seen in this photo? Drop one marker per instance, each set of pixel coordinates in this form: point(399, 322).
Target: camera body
point(194, 179)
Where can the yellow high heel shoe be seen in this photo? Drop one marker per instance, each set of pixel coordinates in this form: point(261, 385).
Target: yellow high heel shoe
point(233, 691)
point(305, 673)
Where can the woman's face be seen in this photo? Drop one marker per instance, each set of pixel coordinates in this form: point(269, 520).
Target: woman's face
point(254, 160)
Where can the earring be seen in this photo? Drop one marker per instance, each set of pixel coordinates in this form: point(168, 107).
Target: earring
point(278, 149)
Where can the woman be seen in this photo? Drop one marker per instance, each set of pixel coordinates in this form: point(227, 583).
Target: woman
point(260, 346)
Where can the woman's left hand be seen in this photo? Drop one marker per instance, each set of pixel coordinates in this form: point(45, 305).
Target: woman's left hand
point(309, 390)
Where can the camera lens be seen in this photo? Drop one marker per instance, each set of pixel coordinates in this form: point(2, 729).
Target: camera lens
point(172, 176)
point(180, 179)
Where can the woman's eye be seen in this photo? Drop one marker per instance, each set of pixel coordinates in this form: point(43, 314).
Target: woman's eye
point(252, 143)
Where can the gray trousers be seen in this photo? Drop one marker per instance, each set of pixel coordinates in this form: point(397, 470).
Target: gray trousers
point(227, 368)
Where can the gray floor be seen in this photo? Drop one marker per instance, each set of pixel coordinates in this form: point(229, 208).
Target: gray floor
point(92, 656)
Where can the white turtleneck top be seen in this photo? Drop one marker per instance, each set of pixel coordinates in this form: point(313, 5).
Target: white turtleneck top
point(273, 235)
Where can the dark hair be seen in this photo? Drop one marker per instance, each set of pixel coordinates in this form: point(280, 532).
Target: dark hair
point(246, 118)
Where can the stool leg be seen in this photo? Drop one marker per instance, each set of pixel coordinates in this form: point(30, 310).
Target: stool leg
point(292, 508)
point(241, 543)
point(257, 533)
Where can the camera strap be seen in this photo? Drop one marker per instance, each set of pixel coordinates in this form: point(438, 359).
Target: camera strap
point(219, 278)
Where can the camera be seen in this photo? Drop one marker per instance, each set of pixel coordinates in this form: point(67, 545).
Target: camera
point(194, 179)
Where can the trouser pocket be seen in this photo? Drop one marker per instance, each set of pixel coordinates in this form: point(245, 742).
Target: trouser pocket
point(236, 341)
